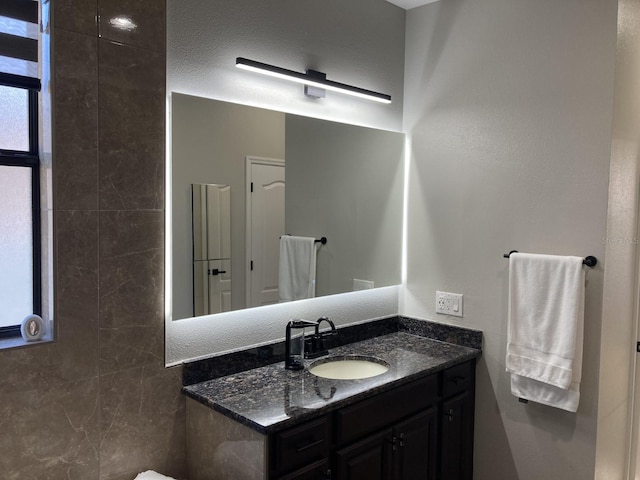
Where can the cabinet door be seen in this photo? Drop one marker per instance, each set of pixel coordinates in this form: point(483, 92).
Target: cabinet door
point(416, 446)
point(300, 446)
point(364, 418)
point(317, 471)
point(456, 461)
point(368, 459)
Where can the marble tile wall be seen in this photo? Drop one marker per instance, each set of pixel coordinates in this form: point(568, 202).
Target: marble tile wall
point(98, 403)
point(222, 448)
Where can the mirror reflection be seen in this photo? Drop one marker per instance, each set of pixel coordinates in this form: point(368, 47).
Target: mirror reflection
point(311, 178)
point(211, 237)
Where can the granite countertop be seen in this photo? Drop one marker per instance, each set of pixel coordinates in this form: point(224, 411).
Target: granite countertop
point(271, 398)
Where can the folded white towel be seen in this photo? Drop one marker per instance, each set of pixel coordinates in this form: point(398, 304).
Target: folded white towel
point(545, 329)
point(151, 475)
point(527, 388)
point(297, 272)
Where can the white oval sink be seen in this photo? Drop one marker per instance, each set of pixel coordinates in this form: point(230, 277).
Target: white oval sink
point(349, 368)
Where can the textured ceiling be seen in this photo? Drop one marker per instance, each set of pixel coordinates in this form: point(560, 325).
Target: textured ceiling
point(408, 4)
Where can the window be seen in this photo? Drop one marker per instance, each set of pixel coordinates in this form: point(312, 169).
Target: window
point(21, 70)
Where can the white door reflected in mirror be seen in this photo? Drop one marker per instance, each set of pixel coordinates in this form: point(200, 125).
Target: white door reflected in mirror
point(265, 226)
point(211, 233)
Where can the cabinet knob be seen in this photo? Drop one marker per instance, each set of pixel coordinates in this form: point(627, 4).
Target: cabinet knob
point(450, 414)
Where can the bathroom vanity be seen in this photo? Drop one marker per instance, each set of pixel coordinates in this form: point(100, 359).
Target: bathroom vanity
point(415, 421)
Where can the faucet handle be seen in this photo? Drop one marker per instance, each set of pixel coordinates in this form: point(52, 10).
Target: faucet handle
point(316, 346)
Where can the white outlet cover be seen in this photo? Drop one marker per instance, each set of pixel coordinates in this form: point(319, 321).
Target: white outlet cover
point(448, 303)
point(362, 284)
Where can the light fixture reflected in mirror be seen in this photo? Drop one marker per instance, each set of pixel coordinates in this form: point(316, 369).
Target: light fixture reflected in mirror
point(315, 82)
point(123, 23)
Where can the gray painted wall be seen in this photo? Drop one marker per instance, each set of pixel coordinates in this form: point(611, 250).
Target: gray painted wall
point(359, 42)
point(509, 108)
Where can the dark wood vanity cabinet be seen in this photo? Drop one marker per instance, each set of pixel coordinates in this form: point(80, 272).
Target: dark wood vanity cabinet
point(457, 412)
point(457, 438)
point(370, 458)
point(316, 471)
point(407, 451)
point(417, 446)
point(419, 431)
point(302, 452)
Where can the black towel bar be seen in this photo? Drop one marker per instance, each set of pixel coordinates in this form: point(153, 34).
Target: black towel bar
point(589, 261)
point(322, 240)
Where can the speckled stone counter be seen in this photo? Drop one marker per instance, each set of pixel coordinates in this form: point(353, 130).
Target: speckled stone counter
point(271, 398)
point(253, 357)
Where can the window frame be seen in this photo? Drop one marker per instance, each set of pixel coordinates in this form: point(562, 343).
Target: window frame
point(29, 159)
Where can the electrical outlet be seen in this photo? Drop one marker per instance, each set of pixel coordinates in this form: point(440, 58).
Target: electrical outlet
point(449, 303)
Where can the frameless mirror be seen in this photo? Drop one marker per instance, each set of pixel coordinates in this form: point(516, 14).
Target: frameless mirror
point(281, 174)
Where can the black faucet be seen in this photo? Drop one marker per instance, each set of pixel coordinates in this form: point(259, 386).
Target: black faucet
point(316, 346)
point(294, 345)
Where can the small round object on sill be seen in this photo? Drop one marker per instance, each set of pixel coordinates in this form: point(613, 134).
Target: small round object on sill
point(32, 328)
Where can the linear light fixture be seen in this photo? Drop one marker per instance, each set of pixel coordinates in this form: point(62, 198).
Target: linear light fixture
point(315, 82)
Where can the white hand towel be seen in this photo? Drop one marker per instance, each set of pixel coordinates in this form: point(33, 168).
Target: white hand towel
point(297, 273)
point(545, 329)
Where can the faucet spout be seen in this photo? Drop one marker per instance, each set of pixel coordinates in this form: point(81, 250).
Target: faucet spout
point(325, 319)
point(294, 345)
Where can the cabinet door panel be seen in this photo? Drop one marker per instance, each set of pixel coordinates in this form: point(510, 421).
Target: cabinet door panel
point(299, 446)
point(368, 416)
point(368, 459)
point(317, 471)
point(457, 438)
point(458, 379)
point(416, 452)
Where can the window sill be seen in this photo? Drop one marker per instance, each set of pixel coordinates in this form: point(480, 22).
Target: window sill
point(19, 342)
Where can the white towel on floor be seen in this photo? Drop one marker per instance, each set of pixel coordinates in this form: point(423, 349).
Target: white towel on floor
point(151, 475)
point(297, 273)
point(545, 329)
